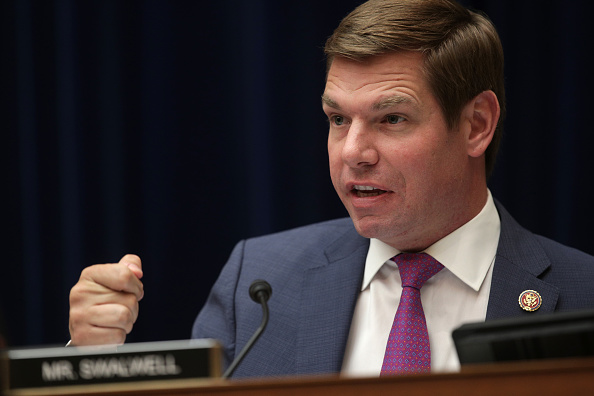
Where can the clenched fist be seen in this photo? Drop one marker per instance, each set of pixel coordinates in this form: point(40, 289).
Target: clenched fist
point(104, 302)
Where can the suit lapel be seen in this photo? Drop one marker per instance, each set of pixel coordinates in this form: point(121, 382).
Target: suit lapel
point(519, 263)
point(329, 295)
point(330, 289)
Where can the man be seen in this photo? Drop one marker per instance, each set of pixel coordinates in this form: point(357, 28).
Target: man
point(414, 97)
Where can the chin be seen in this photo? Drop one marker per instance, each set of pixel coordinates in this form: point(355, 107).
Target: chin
point(371, 228)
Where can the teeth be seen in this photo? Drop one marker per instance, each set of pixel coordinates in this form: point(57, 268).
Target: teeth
point(367, 191)
point(364, 188)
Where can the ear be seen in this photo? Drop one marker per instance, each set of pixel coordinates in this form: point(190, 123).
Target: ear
point(481, 116)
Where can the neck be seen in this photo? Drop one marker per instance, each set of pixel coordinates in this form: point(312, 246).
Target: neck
point(459, 215)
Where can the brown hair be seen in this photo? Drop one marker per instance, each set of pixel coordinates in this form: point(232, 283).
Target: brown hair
point(462, 51)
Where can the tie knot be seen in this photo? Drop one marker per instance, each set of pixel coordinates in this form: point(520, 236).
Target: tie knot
point(416, 268)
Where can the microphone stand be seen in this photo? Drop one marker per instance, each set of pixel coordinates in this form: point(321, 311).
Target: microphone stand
point(260, 291)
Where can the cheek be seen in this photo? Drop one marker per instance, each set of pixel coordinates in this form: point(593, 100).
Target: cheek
point(442, 171)
point(334, 175)
point(418, 169)
point(334, 155)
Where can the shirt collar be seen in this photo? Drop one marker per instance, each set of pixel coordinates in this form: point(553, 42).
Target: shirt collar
point(468, 252)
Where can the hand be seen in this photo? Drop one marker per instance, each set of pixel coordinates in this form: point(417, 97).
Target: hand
point(104, 302)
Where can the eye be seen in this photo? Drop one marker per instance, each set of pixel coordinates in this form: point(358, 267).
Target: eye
point(394, 119)
point(337, 120)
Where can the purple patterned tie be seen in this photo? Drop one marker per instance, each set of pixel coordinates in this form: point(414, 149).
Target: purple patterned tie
point(407, 350)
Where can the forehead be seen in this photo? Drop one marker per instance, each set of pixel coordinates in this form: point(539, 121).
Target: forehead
point(375, 78)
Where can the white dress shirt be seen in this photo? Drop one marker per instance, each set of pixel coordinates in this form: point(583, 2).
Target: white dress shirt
point(457, 294)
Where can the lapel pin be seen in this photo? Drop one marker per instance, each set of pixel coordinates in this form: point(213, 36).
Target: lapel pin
point(530, 300)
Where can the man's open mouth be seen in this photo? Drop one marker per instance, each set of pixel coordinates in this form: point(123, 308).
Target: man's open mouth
point(367, 191)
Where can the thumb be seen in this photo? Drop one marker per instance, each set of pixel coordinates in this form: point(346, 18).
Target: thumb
point(134, 264)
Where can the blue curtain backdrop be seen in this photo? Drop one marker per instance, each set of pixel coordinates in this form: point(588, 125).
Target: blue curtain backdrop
point(173, 129)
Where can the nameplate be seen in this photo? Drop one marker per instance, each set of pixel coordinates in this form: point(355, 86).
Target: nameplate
point(66, 366)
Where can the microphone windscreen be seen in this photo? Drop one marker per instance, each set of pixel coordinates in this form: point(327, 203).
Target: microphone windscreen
point(262, 287)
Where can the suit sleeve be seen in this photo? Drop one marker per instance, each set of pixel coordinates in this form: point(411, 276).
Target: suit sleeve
point(217, 318)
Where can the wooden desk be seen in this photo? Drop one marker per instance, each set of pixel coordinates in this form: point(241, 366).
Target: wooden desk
point(553, 377)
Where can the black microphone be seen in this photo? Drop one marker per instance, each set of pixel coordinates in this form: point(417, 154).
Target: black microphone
point(260, 292)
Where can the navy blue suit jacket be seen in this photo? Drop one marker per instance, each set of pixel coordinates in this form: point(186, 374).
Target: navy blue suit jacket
point(316, 274)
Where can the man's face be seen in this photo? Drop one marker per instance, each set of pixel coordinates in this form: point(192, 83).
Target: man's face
point(399, 171)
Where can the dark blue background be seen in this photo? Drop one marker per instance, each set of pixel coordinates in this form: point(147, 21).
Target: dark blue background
point(172, 129)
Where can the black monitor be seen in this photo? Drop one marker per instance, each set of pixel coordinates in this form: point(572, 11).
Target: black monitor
point(530, 337)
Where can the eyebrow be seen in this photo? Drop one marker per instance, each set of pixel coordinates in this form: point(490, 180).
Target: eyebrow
point(326, 100)
point(389, 102)
point(379, 105)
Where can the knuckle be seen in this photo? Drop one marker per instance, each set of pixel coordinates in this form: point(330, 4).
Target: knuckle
point(131, 302)
point(123, 315)
point(76, 293)
point(119, 337)
point(87, 272)
point(80, 335)
point(76, 315)
point(123, 278)
point(128, 328)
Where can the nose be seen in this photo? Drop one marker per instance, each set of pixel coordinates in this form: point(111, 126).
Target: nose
point(359, 148)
